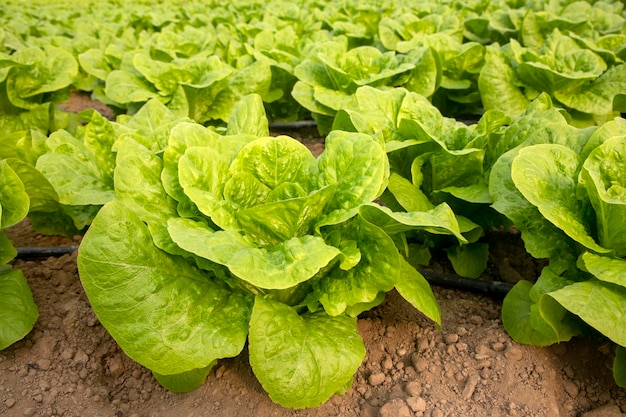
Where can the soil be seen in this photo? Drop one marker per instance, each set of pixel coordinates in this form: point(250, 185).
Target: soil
point(70, 366)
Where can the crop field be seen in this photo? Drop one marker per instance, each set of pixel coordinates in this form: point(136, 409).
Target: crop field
point(313, 208)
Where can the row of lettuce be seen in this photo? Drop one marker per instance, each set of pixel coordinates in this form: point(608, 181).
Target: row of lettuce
point(307, 58)
point(203, 239)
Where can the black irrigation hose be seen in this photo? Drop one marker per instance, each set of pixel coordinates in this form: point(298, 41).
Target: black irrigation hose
point(493, 288)
point(35, 252)
point(497, 289)
point(305, 124)
point(300, 124)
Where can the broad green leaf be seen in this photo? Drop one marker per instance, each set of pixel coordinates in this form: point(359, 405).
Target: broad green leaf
point(248, 117)
point(277, 267)
point(456, 169)
point(138, 184)
point(377, 272)
point(152, 124)
point(99, 138)
point(469, 260)
point(161, 74)
point(273, 222)
point(7, 251)
point(183, 136)
point(186, 381)
point(333, 99)
point(616, 127)
point(498, 85)
point(305, 96)
point(137, 180)
point(290, 354)
point(600, 304)
point(376, 112)
point(14, 201)
point(598, 96)
point(477, 192)
point(546, 175)
point(41, 194)
point(43, 71)
point(414, 288)
point(426, 74)
point(124, 87)
point(357, 164)
point(67, 221)
point(542, 238)
point(604, 177)
point(74, 172)
point(244, 190)
point(529, 322)
point(604, 268)
point(202, 174)
point(9, 147)
point(439, 220)
point(410, 197)
point(94, 62)
point(256, 78)
point(166, 314)
point(18, 311)
point(566, 70)
point(277, 160)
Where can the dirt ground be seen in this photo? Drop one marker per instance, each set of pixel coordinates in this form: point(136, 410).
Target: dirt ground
point(69, 365)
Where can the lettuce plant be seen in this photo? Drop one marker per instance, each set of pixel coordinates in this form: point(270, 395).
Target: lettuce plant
point(218, 239)
point(69, 176)
point(18, 311)
point(437, 164)
point(32, 79)
point(575, 76)
point(331, 73)
point(454, 88)
point(563, 188)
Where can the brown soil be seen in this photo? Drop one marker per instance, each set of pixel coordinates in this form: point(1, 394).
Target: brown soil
point(70, 366)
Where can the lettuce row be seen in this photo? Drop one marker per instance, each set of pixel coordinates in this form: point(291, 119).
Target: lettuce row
point(221, 238)
point(68, 175)
point(561, 186)
point(581, 78)
point(307, 59)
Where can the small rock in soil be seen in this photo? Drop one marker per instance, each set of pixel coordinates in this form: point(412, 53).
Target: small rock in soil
point(470, 386)
point(609, 410)
point(395, 408)
point(417, 404)
point(44, 364)
point(376, 378)
point(413, 388)
point(514, 354)
point(571, 388)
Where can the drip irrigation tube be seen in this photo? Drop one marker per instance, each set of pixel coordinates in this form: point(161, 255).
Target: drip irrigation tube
point(492, 288)
point(299, 124)
point(305, 124)
point(35, 252)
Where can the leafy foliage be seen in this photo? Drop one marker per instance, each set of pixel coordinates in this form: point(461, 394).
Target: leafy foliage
point(191, 200)
point(216, 239)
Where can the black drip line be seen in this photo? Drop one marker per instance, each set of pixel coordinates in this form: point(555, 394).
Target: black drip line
point(497, 289)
